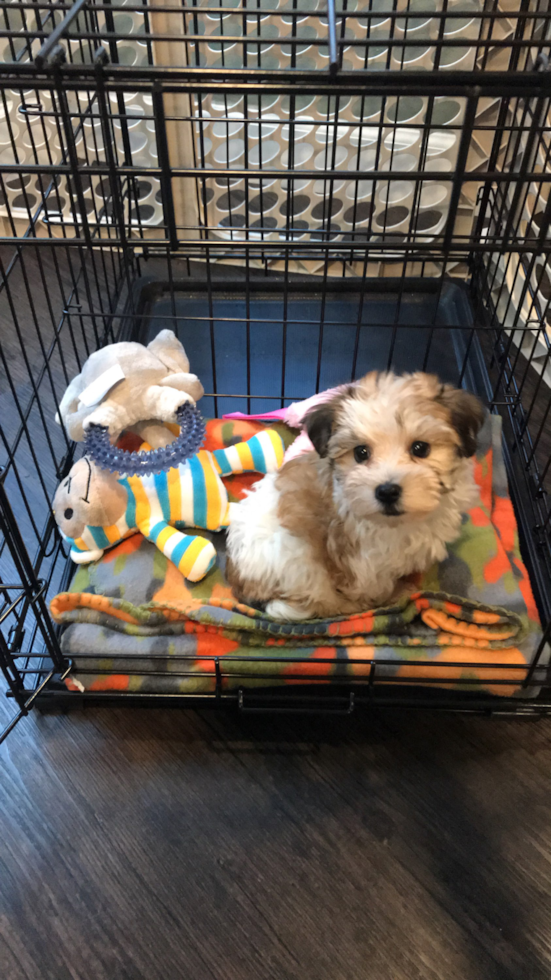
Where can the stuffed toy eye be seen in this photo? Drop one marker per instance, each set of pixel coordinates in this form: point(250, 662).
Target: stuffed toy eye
point(420, 449)
point(362, 454)
point(68, 513)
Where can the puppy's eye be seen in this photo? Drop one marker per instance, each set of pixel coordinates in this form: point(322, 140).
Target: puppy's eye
point(362, 453)
point(420, 449)
point(68, 513)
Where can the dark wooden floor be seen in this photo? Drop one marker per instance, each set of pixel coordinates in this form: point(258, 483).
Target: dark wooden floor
point(159, 844)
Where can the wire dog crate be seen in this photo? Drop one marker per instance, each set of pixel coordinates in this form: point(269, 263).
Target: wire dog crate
point(302, 190)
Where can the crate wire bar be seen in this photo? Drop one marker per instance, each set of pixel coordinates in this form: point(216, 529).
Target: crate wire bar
point(302, 189)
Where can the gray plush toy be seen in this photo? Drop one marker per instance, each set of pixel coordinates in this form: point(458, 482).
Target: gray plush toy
point(129, 386)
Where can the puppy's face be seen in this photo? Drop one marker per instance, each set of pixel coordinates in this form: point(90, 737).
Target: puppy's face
point(395, 443)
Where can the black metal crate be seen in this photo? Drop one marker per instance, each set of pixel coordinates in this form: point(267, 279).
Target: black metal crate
point(302, 194)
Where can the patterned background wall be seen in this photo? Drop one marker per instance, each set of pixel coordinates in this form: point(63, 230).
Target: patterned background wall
point(282, 133)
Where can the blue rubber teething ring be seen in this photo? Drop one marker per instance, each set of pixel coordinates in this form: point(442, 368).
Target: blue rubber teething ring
point(108, 457)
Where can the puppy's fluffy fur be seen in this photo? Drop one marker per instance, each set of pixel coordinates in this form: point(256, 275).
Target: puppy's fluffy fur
point(320, 538)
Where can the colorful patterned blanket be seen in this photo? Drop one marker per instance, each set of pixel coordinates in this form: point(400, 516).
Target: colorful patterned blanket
point(134, 624)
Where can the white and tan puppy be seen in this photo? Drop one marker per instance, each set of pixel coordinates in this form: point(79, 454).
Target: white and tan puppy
point(338, 530)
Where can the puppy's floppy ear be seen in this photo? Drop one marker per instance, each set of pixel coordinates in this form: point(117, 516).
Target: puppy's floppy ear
point(318, 423)
point(466, 413)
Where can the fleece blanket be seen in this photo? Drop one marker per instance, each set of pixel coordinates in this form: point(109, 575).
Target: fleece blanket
point(134, 624)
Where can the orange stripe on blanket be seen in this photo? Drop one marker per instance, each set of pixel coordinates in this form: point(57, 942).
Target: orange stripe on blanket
point(174, 588)
point(233, 605)
point(63, 602)
point(222, 593)
point(437, 619)
point(359, 669)
point(452, 608)
point(498, 565)
point(479, 517)
point(482, 616)
point(450, 640)
point(355, 624)
point(354, 641)
point(212, 644)
point(421, 603)
point(483, 474)
point(239, 483)
point(176, 609)
point(320, 671)
point(69, 601)
point(503, 517)
point(472, 658)
point(110, 682)
point(130, 543)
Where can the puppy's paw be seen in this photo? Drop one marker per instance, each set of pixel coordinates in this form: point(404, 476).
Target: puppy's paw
point(287, 613)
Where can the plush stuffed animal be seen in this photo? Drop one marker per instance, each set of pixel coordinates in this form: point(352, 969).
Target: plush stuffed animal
point(127, 384)
point(95, 509)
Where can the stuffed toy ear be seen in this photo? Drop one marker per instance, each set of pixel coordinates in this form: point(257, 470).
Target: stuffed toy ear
point(71, 413)
point(170, 351)
point(69, 402)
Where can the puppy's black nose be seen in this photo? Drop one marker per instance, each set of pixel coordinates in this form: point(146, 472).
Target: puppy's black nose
point(388, 493)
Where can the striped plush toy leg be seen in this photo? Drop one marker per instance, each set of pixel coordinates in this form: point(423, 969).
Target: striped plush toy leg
point(262, 454)
point(193, 555)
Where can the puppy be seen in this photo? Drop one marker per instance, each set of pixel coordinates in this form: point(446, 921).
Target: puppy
point(336, 531)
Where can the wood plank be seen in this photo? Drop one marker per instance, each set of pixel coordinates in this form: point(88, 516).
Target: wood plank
point(162, 843)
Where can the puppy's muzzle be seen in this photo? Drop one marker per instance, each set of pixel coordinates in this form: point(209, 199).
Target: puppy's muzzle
point(388, 495)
